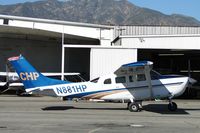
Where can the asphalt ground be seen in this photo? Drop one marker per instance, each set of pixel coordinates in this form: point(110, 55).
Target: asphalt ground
point(52, 115)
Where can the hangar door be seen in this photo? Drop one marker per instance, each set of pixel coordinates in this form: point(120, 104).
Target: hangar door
point(181, 62)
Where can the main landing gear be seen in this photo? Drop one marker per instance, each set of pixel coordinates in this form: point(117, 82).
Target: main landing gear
point(134, 106)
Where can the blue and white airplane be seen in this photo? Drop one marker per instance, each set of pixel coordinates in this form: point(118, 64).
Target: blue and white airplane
point(133, 82)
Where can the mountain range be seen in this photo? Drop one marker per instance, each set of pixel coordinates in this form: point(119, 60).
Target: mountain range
point(111, 12)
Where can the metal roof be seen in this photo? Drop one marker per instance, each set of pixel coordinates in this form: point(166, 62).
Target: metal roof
point(55, 21)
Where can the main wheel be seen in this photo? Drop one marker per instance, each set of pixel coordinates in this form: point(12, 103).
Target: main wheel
point(172, 106)
point(133, 107)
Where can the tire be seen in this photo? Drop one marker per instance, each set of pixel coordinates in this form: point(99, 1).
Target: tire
point(172, 106)
point(133, 107)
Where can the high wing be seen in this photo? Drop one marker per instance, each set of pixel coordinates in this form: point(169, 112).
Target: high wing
point(135, 68)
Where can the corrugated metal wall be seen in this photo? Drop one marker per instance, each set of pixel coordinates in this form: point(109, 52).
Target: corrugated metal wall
point(154, 30)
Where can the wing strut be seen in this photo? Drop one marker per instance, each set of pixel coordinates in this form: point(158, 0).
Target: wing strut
point(148, 78)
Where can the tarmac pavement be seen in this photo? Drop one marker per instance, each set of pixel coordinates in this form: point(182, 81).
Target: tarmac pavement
point(51, 115)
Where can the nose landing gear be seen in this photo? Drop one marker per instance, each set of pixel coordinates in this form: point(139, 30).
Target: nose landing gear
point(172, 106)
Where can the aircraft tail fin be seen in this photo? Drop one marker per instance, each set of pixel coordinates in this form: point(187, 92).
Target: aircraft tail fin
point(29, 76)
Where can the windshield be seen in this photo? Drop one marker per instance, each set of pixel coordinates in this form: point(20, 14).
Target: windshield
point(155, 75)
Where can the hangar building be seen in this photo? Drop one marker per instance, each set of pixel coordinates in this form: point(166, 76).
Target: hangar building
point(95, 50)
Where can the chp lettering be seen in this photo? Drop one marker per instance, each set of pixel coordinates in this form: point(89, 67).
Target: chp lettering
point(29, 75)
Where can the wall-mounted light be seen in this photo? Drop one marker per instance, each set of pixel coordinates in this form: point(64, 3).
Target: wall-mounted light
point(170, 54)
point(141, 39)
point(192, 71)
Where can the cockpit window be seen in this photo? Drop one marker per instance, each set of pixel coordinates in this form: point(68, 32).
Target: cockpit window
point(107, 81)
point(120, 79)
point(95, 80)
point(155, 75)
point(141, 77)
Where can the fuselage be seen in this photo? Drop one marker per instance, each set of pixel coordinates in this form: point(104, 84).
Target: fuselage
point(113, 87)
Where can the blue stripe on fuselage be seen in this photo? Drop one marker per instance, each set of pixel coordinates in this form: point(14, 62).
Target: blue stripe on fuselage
point(101, 91)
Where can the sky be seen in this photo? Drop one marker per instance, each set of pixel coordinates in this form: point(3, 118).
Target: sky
point(185, 7)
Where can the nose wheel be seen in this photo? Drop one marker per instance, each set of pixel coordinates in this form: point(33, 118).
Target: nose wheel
point(172, 106)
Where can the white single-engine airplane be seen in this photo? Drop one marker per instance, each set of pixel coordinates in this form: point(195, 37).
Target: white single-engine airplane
point(132, 82)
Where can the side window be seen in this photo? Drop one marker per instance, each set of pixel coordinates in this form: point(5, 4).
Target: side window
point(130, 78)
point(107, 81)
point(141, 77)
point(120, 79)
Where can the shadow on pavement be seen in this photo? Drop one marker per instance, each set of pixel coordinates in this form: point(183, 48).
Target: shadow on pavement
point(54, 108)
point(155, 108)
point(163, 109)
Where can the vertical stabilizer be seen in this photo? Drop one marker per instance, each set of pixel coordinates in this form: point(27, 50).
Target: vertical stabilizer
point(29, 76)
